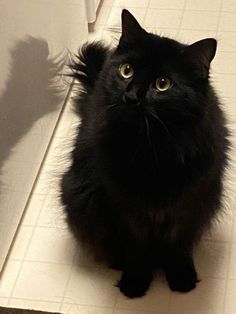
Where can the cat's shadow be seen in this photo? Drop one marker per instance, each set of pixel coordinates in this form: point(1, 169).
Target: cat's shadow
point(33, 88)
point(31, 91)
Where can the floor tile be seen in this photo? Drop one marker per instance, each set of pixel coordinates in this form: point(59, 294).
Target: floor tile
point(119, 311)
point(51, 245)
point(34, 305)
point(230, 299)
point(224, 62)
point(212, 259)
point(8, 277)
point(162, 4)
point(200, 20)
point(229, 5)
point(92, 286)
point(224, 84)
point(227, 21)
point(221, 229)
point(41, 281)
point(131, 3)
point(211, 5)
point(21, 242)
point(207, 298)
point(33, 209)
point(226, 41)
point(190, 36)
point(232, 265)
point(80, 309)
point(3, 301)
point(163, 18)
point(52, 214)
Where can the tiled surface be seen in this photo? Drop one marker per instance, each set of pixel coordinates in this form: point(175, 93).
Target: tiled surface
point(47, 270)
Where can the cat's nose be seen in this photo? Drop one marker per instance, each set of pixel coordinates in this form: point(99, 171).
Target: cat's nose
point(131, 99)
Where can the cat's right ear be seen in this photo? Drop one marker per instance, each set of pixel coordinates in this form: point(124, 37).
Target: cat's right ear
point(200, 54)
point(131, 30)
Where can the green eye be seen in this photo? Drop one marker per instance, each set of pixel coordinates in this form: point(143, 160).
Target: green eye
point(126, 70)
point(162, 84)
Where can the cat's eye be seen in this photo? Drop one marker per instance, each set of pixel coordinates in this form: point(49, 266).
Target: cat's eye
point(126, 70)
point(162, 84)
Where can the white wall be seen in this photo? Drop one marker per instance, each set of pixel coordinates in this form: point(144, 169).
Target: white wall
point(34, 38)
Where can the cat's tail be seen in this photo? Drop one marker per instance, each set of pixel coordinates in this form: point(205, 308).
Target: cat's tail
point(87, 64)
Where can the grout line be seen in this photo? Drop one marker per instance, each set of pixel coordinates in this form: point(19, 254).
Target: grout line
point(185, 29)
point(218, 22)
point(89, 305)
point(227, 51)
point(231, 243)
point(68, 303)
point(180, 9)
point(182, 16)
point(28, 260)
point(137, 311)
point(67, 282)
point(233, 225)
point(46, 226)
point(116, 300)
point(33, 188)
point(224, 73)
point(189, 29)
point(40, 301)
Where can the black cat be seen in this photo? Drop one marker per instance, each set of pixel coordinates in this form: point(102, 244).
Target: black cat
point(149, 157)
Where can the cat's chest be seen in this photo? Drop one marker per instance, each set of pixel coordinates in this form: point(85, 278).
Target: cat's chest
point(163, 225)
point(153, 224)
point(137, 153)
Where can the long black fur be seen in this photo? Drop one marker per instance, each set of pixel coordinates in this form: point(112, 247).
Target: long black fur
point(146, 174)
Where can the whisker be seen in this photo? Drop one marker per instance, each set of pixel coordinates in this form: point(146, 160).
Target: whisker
point(139, 146)
point(148, 131)
point(154, 115)
point(111, 106)
point(150, 144)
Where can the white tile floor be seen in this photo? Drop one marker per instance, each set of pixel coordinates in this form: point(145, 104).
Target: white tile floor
point(46, 269)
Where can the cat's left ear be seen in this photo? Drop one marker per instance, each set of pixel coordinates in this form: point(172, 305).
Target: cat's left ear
point(131, 30)
point(200, 54)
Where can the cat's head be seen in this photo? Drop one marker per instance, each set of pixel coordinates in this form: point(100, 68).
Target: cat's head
point(149, 75)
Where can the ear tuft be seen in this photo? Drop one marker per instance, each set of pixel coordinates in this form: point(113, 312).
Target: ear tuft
point(200, 54)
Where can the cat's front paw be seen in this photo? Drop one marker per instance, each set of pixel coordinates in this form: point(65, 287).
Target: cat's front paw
point(182, 280)
point(134, 286)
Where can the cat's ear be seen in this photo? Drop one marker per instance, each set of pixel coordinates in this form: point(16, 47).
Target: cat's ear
point(131, 30)
point(200, 54)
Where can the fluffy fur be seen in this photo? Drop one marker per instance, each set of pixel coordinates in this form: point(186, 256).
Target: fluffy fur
point(147, 168)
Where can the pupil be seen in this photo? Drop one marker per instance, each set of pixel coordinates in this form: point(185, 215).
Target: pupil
point(162, 83)
point(127, 70)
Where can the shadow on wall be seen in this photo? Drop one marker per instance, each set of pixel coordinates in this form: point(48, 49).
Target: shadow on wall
point(33, 89)
point(31, 92)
